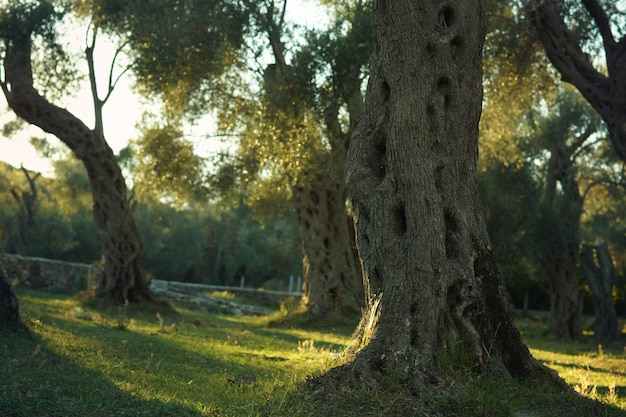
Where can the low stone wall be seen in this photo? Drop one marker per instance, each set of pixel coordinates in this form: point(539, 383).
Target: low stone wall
point(265, 297)
point(46, 274)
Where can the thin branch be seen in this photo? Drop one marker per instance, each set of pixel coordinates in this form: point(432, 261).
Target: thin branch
point(282, 14)
point(582, 149)
point(97, 103)
point(599, 181)
point(113, 83)
point(581, 139)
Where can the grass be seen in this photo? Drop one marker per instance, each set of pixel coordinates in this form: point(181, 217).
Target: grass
point(81, 361)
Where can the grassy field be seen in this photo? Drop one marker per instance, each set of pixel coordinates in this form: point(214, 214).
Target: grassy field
point(81, 361)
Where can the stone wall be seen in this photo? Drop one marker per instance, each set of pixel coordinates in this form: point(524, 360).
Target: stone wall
point(46, 274)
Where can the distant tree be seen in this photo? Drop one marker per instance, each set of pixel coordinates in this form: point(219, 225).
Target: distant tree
point(565, 134)
point(27, 200)
point(122, 278)
point(600, 274)
point(307, 125)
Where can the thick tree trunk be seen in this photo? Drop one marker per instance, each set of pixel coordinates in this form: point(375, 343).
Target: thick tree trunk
point(332, 276)
point(598, 268)
point(433, 286)
point(9, 305)
point(122, 278)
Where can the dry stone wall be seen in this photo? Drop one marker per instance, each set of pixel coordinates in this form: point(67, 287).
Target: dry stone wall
point(46, 274)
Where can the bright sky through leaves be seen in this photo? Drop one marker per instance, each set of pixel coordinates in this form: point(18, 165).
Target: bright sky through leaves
point(123, 110)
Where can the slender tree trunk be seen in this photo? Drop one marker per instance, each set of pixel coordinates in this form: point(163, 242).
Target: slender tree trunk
point(433, 286)
point(598, 268)
point(332, 278)
point(122, 277)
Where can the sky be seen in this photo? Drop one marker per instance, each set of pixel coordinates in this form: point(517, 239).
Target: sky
point(123, 110)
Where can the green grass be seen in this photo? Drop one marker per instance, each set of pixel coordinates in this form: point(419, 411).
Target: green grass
point(83, 361)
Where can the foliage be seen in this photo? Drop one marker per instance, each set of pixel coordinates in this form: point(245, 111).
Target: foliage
point(63, 228)
point(178, 50)
point(56, 73)
point(166, 166)
point(144, 362)
point(510, 195)
point(211, 246)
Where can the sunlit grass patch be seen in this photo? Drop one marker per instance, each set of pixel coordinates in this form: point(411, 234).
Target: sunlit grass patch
point(595, 371)
point(183, 363)
point(155, 361)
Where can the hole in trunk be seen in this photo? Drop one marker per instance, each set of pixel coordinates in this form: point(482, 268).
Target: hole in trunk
point(456, 48)
point(443, 89)
point(446, 16)
point(399, 218)
point(385, 90)
point(452, 227)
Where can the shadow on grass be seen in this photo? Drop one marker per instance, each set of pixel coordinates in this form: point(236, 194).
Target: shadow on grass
point(40, 382)
point(81, 361)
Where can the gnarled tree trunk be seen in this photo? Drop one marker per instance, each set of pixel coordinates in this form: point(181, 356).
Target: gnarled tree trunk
point(433, 286)
point(598, 268)
point(122, 278)
point(332, 278)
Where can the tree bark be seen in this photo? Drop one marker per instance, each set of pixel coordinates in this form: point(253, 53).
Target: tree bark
point(9, 305)
point(433, 287)
point(599, 271)
point(332, 278)
point(561, 268)
point(606, 94)
point(122, 278)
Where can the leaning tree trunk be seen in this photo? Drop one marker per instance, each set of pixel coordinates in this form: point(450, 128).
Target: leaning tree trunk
point(433, 284)
point(332, 276)
point(122, 279)
point(606, 93)
point(598, 268)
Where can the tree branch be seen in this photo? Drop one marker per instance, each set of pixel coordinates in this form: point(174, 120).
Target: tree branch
point(602, 21)
point(581, 139)
point(112, 83)
point(97, 103)
point(566, 55)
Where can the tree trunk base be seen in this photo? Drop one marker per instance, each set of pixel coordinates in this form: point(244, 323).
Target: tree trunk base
point(422, 386)
point(9, 305)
